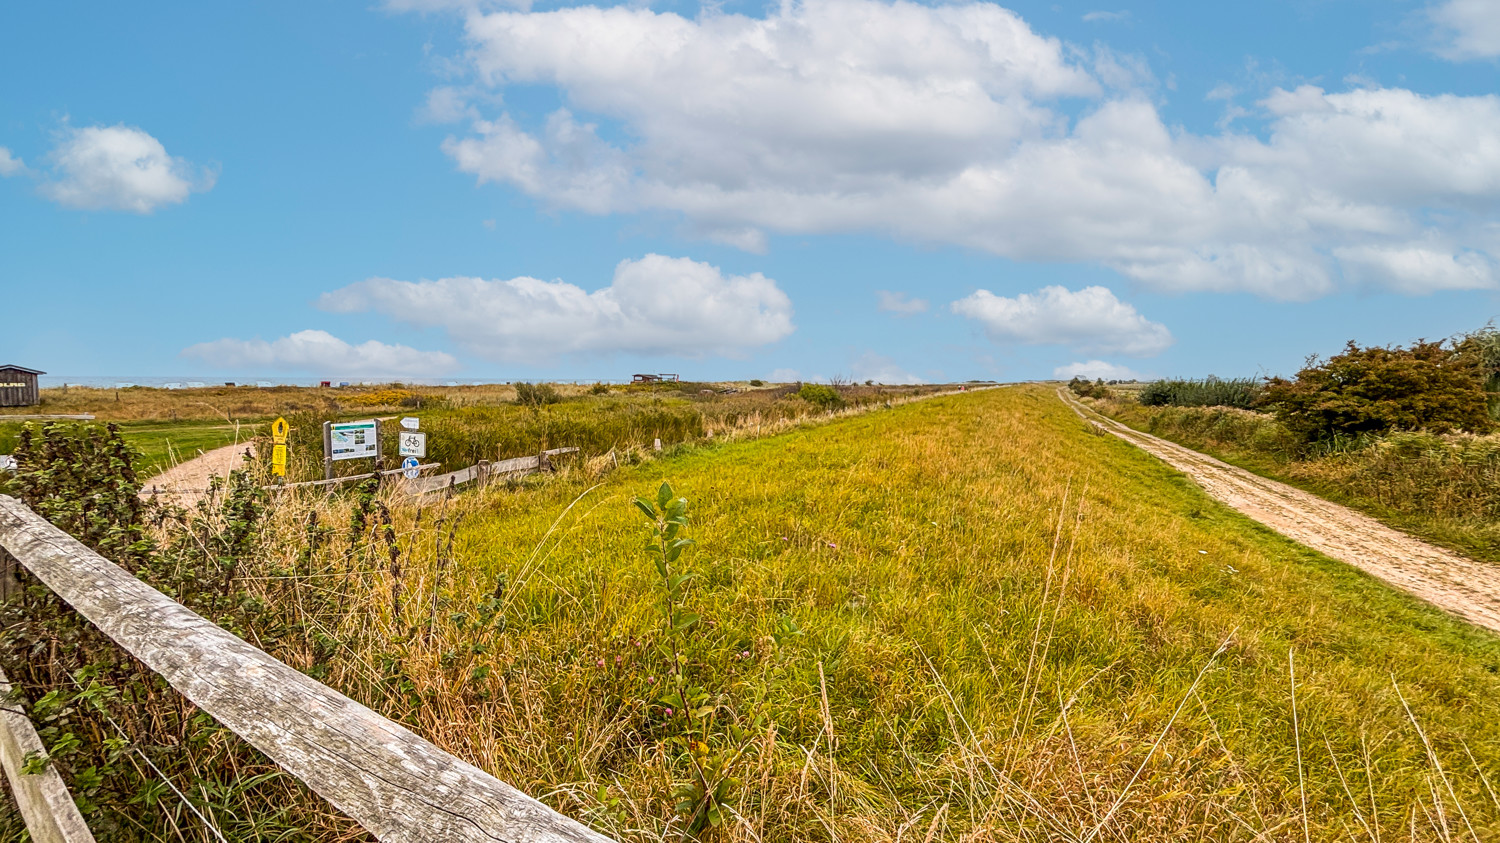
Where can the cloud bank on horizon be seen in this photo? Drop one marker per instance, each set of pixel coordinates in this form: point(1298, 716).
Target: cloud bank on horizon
point(320, 351)
point(961, 125)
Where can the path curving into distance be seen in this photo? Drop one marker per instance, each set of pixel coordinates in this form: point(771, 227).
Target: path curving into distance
point(188, 481)
point(1468, 589)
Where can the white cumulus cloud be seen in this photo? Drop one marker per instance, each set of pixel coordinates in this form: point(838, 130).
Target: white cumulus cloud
point(1417, 268)
point(1091, 320)
point(1467, 29)
point(1095, 369)
point(322, 352)
point(655, 305)
point(899, 303)
point(10, 164)
point(958, 124)
point(119, 168)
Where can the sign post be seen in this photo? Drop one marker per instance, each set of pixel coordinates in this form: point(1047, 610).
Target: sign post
point(355, 440)
point(327, 451)
point(279, 430)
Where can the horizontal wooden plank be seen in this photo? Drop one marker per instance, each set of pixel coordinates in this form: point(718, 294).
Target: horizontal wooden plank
point(386, 473)
point(394, 783)
point(492, 470)
point(43, 798)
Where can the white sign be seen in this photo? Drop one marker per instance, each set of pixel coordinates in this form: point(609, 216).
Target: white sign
point(352, 440)
point(409, 468)
point(413, 444)
point(7, 462)
point(411, 422)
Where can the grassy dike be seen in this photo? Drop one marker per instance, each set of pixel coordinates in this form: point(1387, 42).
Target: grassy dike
point(962, 616)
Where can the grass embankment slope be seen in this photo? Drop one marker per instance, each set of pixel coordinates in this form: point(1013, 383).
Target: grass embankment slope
point(1442, 488)
point(962, 616)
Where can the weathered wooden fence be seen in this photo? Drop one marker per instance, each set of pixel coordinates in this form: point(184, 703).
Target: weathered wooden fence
point(394, 783)
point(486, 471)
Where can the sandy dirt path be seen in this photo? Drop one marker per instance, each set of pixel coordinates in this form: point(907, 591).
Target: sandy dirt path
point(1468, 589)
point(187, 481)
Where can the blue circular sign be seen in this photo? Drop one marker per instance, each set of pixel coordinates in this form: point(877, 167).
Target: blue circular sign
point(409, 468)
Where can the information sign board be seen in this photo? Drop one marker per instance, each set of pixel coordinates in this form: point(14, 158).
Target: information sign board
point(413, 444)
point(353, 440)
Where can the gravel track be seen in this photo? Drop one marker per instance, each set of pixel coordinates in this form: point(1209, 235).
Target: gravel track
point(1468, 589)
point(188, 481)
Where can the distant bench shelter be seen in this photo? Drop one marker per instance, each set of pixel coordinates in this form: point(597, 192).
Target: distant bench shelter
point(18, 386)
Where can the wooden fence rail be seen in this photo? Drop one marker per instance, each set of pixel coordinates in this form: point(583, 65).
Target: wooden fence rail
point(397, 785)
point(485, 471)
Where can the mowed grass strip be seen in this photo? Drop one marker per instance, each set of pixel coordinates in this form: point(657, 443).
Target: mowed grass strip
point(963, 618)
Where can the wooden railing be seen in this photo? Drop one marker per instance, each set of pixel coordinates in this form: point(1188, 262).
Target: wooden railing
point(397, 785)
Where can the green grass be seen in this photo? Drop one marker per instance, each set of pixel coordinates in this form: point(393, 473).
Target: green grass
point(159, 445)
point(965, 615)
point(162, 446)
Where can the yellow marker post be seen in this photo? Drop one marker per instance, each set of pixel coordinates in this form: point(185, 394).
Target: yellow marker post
point(279, 430)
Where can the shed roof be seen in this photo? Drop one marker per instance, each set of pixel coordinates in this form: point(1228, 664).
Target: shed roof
point(23, 369)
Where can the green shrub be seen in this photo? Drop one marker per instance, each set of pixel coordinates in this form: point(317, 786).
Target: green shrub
point(1429, 386)
point(536, 394)
point(1483, 347)
point(1243, 393)
point(757, 382)
point(1085, 389)
point(825, 397)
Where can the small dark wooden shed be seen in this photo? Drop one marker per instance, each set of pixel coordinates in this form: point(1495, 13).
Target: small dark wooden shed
point(18, 386)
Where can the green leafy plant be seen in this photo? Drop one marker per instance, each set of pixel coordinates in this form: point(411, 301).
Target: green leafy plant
point(710, 750)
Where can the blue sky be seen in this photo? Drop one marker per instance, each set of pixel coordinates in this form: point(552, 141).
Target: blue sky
point(895, 191)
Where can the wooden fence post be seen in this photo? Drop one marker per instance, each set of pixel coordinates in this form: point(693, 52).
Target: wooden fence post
point(45, 803)
point(327, 450)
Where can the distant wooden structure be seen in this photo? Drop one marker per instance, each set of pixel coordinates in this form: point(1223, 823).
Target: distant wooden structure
point(18, 387)
point(658, 378)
